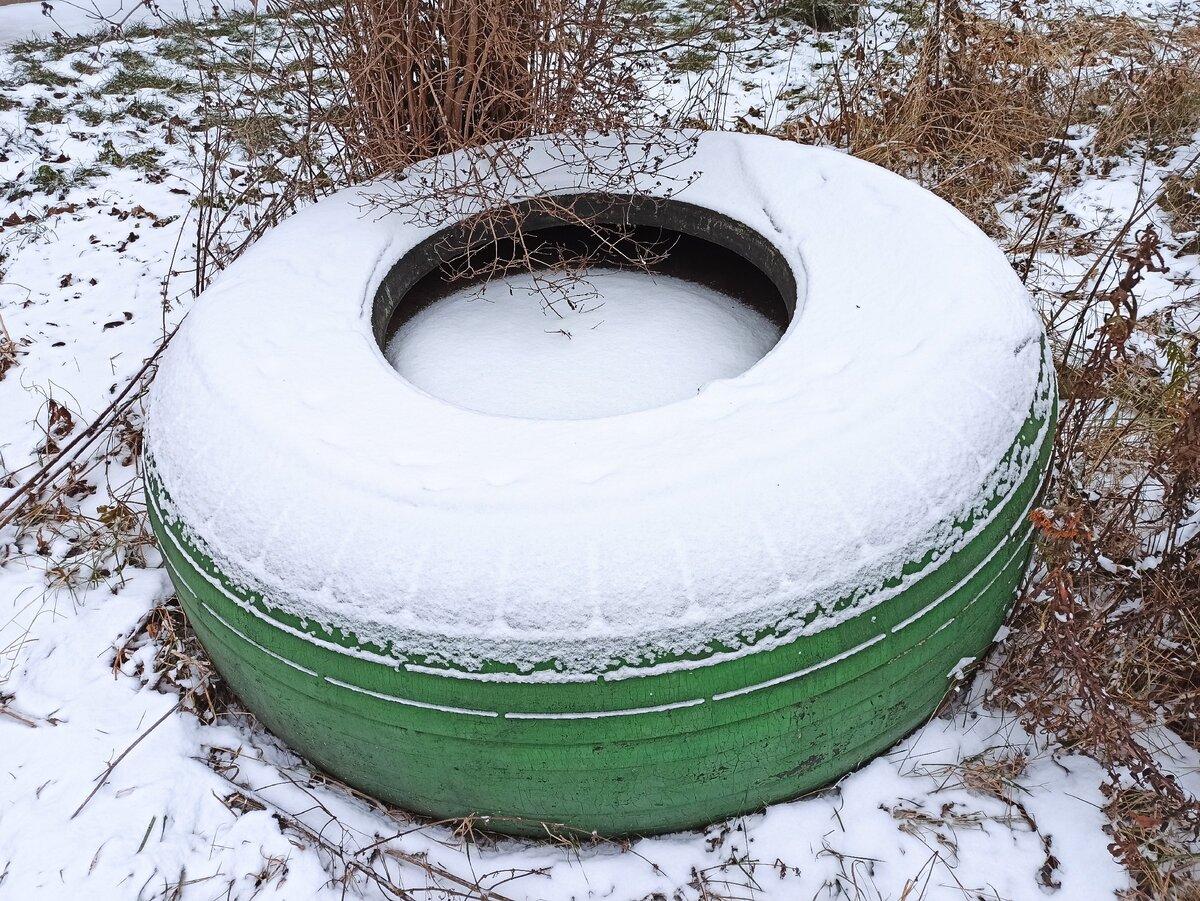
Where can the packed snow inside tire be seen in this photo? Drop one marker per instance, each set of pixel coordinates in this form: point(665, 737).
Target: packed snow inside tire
point(626, 341)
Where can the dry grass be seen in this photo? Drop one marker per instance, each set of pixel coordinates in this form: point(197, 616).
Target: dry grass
point(970, 105)
point(428, 77)
point(1151, 96)
point(1149, 840)
point(9, 351)
point(1181, 201)
point(179, 664)
point(1106, 637)
point(338, 93)
point(959, 104)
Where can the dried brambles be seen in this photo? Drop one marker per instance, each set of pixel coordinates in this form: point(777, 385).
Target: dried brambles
point(1106, 637)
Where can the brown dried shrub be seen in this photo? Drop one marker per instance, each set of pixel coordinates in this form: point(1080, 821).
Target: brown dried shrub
point(1153, 96)
point(958, 104)
point(428, 77)
point(1106, 637)
point(970, 102)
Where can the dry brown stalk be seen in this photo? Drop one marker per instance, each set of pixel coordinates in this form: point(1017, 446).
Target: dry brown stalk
point(959, 104)
point(8, 350)
point(1106, 637)
point(430, 77)
point(377, 86)
point(970, 103)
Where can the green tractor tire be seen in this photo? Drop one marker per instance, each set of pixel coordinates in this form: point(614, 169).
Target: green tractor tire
point(656, 734)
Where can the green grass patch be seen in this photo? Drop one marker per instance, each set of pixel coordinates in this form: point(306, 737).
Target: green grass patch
point(83, 67)
point(28, 49)
point(130, 81)
point(140, 30)
point(42, 114)
point(146, 110)
point(83, 175)
point(823, 15)
point(256, 133)
point(694, 61)
point(133, 60)
point(180, 48)
point(63, 45)
point(146, 160)
point(49, 180)
point(639, 8)
point(91, 115)
point(46, 179)
point(34, 72)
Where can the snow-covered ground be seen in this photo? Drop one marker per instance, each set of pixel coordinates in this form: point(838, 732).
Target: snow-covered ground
point(23, 20)
point(109, 790)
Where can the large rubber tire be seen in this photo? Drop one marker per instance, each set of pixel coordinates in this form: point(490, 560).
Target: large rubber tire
point(659, 742)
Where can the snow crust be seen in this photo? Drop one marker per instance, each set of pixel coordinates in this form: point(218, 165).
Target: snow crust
point(612, 342)
point(311, 471)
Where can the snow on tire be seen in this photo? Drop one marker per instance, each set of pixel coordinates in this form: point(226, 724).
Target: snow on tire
point(628, 624)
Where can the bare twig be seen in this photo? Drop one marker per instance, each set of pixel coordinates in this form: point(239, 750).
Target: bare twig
point(103, 778)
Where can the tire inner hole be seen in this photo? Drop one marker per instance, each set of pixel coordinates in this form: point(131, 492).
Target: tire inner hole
point(643, 306)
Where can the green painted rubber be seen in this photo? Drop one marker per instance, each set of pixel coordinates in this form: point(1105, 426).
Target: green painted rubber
point(677, 747)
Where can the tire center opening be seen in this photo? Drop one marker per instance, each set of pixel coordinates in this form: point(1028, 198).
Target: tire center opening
point(655, 302)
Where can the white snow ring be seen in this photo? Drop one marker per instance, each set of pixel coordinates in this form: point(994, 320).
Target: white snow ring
point(311, 472)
